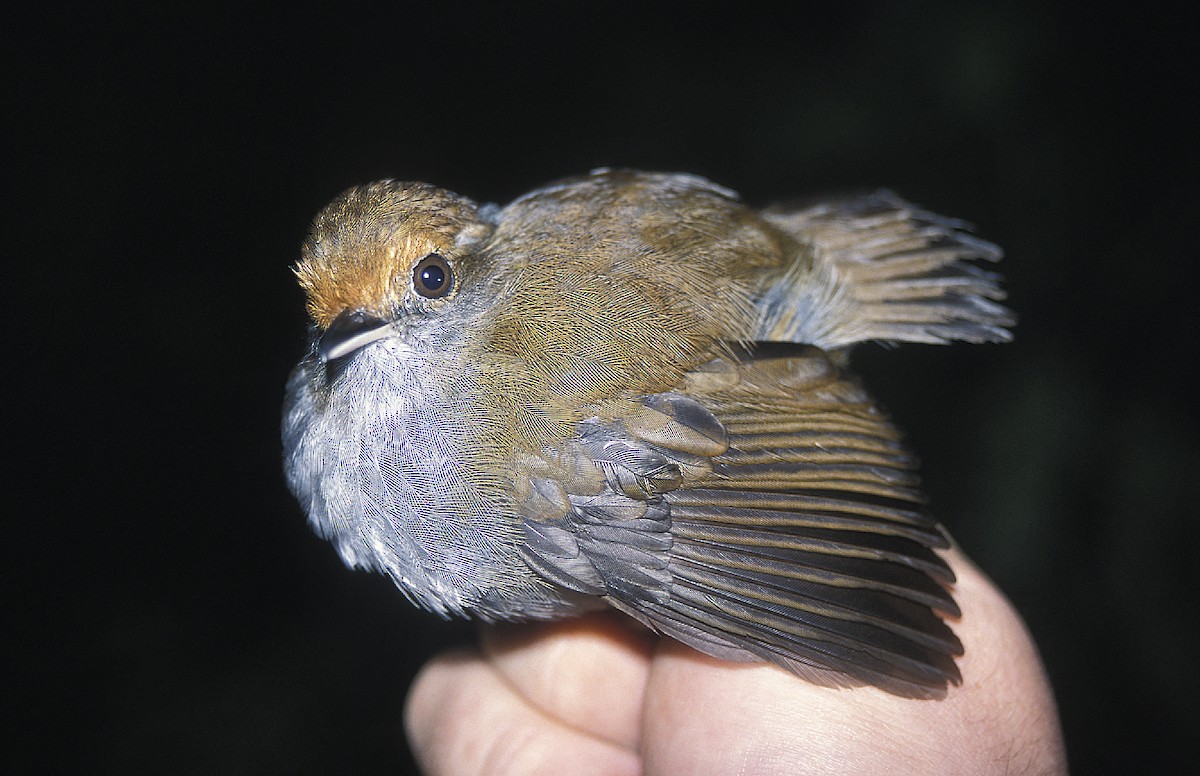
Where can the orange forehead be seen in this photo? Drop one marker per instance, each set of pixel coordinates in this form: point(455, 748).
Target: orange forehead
point(363, 245)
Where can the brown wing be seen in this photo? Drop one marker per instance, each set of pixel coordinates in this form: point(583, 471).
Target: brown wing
point(875, 267)
point(764, 511)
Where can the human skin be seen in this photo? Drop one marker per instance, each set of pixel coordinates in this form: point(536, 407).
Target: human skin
point(600, 695)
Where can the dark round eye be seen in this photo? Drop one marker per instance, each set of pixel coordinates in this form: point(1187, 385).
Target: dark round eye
point(432, 277)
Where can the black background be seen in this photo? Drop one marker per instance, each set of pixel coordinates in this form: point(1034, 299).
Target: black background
point(170, 609)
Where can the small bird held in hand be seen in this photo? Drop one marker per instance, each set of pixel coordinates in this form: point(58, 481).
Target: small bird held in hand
point(627, 389)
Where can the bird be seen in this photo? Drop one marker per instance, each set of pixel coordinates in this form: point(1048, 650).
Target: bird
point(631, 390)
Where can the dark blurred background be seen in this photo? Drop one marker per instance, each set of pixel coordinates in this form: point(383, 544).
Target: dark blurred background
point(170, 609)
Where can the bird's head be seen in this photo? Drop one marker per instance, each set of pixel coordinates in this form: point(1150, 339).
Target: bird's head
point(381, 253)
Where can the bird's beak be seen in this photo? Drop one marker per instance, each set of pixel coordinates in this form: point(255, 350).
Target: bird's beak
point(350, 331)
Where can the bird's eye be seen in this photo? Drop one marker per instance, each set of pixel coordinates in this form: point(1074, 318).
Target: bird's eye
point(432, 277)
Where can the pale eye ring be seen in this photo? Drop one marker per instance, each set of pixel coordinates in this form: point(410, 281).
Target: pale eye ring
point(432, 277)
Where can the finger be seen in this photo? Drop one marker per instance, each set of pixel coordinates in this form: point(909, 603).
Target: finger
point(462, 718)
point(705, 717)
point(589, 673)
point(1005, 698)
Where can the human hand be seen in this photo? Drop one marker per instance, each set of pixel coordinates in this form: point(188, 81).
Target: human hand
point(599, 695)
